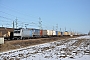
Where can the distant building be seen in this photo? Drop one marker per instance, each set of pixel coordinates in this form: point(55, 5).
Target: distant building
point(6, 32)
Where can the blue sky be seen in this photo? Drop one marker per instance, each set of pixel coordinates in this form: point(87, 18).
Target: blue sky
point(72, 14)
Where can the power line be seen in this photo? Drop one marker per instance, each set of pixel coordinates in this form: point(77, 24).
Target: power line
point(7, 13)
point(40, 22)
point(16, 22)
point(5, 23)
point(13, 15)
point(14, 10)
point(5, 18)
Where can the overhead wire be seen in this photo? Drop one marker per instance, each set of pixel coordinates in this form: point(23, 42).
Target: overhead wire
point(18, 13)
point(13, 15)
point(6, 18)
point(14, 10)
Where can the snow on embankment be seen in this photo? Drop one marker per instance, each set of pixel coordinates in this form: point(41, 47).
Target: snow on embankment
point(82, 37)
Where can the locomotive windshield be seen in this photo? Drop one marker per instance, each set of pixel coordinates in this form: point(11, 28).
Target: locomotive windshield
point(17, 31)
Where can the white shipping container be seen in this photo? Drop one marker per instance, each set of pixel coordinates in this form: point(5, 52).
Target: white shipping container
point(49, 32)
point(54, 32)
point(1, 40)
point(69, 33)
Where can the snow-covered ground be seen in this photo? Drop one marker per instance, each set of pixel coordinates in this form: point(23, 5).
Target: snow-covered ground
point(72, 49)
point(83, 37)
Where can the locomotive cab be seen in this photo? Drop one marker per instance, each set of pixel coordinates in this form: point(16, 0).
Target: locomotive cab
point(17, 33)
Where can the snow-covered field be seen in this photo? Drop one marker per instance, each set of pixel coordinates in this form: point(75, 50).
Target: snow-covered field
point(83, 37)
point(71, 49)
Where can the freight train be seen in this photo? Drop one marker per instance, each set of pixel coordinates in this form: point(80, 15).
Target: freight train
point(35, 33)
point(26, 33)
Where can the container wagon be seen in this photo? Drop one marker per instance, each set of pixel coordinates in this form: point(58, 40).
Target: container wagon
point(36, 33)
point(59, 33)
point(43, 33)
point(49, 33)
point(66, 33)
point(54, 33)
